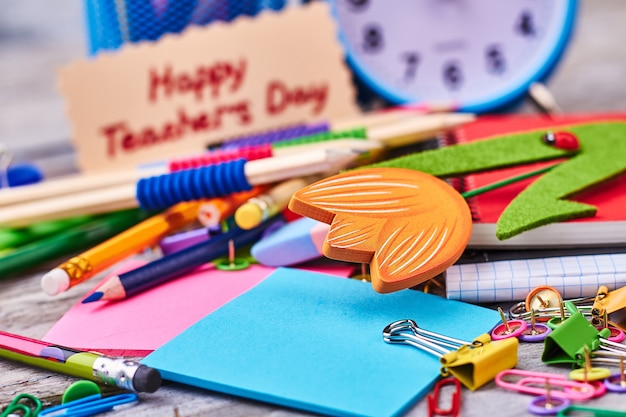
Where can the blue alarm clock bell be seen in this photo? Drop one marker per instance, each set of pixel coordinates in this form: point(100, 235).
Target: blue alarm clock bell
point(479, 54)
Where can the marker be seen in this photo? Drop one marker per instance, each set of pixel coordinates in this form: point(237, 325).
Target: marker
point(298, 241)
point(120, 372)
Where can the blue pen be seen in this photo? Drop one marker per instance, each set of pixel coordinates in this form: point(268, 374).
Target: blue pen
point(177, 264)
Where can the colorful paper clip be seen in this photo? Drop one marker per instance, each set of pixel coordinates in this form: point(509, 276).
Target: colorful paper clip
point(577, 410)
point(90, 405)
point(25, 405)
point(533, 383)
point(434, 399)
point(472, 363)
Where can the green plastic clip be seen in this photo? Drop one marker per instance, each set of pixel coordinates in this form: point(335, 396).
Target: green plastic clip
point(566, 343)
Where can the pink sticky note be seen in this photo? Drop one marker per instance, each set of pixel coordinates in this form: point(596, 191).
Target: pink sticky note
point(140, 324)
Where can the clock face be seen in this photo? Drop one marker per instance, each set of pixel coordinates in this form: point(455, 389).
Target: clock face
point(479, 54)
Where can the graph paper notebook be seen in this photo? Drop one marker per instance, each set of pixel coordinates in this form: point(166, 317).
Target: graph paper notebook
point(607, 227)
point(512, 280)
point(314, 342)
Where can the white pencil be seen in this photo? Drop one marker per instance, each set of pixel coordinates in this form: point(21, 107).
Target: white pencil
point(257, 172)
point(385, 129)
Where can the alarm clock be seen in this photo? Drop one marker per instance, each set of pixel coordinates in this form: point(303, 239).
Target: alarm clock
point(480, 55)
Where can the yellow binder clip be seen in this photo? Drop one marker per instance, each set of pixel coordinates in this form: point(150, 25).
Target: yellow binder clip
point(472, 363)
point(607, 302)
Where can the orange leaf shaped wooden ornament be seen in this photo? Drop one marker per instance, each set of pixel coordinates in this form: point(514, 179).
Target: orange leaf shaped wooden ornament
point(408, 225)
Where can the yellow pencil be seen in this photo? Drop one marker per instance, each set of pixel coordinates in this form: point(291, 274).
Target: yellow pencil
point(259, 208)
point(215, 210)
point(147, 233)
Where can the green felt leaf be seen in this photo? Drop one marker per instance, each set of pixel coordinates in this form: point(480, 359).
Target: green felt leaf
point(477, 156)
point(602, 156)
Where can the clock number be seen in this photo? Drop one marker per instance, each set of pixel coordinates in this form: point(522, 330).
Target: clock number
point(496, 64)
point(525, 24)
point(452, 75)
point(357, 5)
point(372, 38)
point(411, 59)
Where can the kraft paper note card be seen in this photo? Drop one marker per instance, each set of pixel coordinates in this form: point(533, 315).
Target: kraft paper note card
point(151, 101)
point(160, 313)
point(314, 342)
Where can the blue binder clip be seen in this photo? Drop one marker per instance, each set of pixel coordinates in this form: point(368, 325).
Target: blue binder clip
point(90, 405)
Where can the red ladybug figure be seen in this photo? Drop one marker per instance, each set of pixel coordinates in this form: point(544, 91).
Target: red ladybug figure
point(562, 140)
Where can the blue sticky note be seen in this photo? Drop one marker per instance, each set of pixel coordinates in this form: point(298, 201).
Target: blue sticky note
point(314, 342)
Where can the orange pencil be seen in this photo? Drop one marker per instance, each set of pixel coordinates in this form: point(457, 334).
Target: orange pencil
point(147, 233)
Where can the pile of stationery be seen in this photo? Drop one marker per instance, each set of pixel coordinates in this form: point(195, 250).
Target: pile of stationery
point(283, 263)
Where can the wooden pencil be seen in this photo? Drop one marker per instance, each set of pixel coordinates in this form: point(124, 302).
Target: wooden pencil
point(176, 264)
point(258, 172)
point(384, 129)
point(87, 264)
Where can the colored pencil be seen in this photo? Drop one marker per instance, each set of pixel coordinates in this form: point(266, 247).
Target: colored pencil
point(135, 239)
point(259, 172)
point(175, 265)
point(259, 208)
point(68, 241)
point(384, 129)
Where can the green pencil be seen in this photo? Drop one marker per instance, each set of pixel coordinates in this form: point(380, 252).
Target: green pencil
point(71, 240)
point(11, 238)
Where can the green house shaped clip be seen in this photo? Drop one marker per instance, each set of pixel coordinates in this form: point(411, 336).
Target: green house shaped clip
point(566, 343)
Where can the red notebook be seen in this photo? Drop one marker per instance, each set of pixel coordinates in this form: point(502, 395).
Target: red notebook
point(606, 228)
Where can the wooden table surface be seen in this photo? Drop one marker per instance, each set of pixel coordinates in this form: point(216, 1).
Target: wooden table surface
point(38, 36)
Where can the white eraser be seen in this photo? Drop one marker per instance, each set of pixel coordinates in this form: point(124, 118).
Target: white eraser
point(55, 282)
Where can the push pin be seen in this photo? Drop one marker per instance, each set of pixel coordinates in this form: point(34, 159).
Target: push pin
point(555, 322)
point(543, 297)
point(364, 275)
point(617, 382)
point(546, 404)
point(231, 263)
point(508, 328)
point(537, 332)
point(587, 373)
